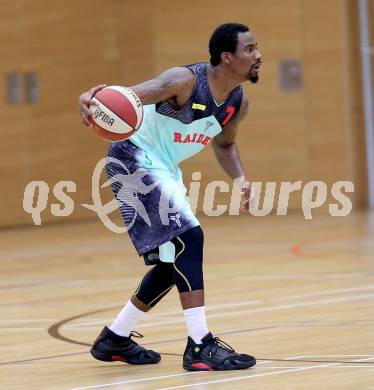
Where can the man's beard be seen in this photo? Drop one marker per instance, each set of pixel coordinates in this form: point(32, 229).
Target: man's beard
point(253, 78)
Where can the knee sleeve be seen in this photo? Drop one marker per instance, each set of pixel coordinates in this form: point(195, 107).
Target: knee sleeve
point(157, 282)
point(188, 264)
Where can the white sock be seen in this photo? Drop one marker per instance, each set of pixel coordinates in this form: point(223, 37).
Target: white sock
point(127, 320)
point(196, 323)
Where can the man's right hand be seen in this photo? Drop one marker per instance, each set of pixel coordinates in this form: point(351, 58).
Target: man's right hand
point(85, 102)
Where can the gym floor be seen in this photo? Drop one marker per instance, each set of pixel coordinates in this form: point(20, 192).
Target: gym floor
point(296, 294)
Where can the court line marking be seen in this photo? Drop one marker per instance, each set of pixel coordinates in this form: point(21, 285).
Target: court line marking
point(23, 321)
point(145, 379)
point(330, 356)
point(258, 310)
point(255, 376)
point(242, 303)
point(25, 283)
point(49, 284)
point(267, 309)
point(22, 329)
point(100, 321)
point(227, 314)
point(135, 381)
point(340, 367)
point(293, 369)
point(177, 313)
point(362, 288)
point(311, 276)
point(42, 358)
point(15, 282)
point(344, 290)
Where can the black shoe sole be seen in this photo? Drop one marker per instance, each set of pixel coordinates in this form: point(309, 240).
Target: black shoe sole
point(101, 356)
point(201, 366)
point(105, 357)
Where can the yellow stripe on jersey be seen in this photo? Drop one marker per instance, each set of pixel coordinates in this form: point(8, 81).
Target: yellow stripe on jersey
point(196, 106)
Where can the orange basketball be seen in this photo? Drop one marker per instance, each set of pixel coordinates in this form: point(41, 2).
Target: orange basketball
point(118, 113)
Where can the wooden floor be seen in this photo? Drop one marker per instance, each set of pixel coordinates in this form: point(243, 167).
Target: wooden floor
point(296, 294)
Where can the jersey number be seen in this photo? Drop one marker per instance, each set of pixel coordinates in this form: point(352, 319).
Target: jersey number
point(230, 112)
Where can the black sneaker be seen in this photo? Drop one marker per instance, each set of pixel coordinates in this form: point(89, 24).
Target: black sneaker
point(214, 354)
point(109, 347)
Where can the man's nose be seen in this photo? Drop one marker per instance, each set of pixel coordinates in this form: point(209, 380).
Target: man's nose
point(258, 55)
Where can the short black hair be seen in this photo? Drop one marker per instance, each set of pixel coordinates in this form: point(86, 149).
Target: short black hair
point(224, 38)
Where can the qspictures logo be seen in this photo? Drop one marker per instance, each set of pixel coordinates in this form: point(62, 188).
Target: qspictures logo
point(172, 200)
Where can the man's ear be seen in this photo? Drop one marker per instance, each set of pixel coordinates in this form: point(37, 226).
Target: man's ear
point(225, 57)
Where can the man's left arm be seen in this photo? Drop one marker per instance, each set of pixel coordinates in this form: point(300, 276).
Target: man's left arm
point(227, 154)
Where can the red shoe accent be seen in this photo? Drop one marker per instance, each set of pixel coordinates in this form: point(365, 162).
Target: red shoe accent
point(202, 366)
point(118, 359)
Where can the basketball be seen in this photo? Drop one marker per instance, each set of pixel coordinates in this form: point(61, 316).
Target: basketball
point(118, 113)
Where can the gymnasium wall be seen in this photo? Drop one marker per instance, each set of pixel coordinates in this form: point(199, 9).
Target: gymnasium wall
point(315, 133)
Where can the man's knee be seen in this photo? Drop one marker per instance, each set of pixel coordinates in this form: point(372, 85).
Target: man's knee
point(188, 263)
point(157, 282)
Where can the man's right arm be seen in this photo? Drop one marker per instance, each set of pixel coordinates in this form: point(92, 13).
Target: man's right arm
point(175, 83)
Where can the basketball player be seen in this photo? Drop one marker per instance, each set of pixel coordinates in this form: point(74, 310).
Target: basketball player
point(185, 108)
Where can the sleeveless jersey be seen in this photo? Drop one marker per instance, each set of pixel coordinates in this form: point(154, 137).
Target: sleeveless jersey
point(168, 136)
